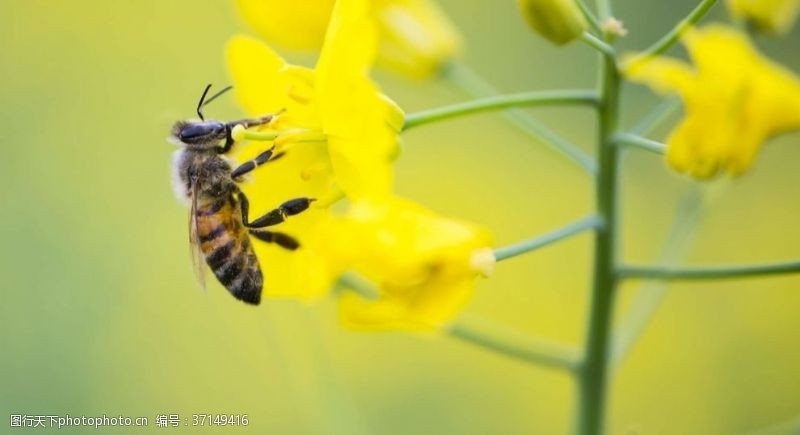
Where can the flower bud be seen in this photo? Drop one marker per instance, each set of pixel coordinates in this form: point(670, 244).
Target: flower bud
point(417, 38)
point(770, 16)
point(560, 21)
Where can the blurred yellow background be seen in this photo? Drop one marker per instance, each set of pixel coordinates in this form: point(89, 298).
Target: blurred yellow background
point(100, 313)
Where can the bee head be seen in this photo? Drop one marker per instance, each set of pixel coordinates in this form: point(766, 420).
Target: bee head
point(200, 134)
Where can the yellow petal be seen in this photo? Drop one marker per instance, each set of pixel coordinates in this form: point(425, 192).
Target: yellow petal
point(423, 265)
point(265, 83)
point(735, 100)
point(354, 114)
point(773, 16)
point(416, 37)
point(298, 24)
point(663, 74)
point(271, 185)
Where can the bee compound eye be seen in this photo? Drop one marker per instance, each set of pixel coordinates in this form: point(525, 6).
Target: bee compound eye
point(200, 130)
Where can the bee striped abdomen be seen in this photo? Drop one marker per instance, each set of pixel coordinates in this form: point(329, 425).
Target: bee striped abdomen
point(226, 246)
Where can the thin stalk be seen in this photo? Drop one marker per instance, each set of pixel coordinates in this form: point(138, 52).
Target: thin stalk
point(474, 85)
point(642, 143)
point(484, 334)
point(672, 37)
point(514, 344)
point(499, 102)
point(590, 18)
point(651, 120)
point(703, 273)
point(604, 9)
point(593, 376)
point(596, 43)
point(358, 284)
point(591, 222)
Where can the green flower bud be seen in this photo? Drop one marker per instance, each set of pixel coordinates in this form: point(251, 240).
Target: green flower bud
point(560, 21)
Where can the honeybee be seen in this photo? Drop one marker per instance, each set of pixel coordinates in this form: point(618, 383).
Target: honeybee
point(219, 225)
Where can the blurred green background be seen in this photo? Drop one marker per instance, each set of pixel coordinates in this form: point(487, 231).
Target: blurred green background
point(100, 313)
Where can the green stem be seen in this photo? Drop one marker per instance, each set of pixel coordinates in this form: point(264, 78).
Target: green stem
point(591, 222)
point(702, 273)
point(484, 334)
point(474, 85)
point(590, 18)
point(593, 376)
point(498, 102)
point(642, 143)
point(672, 37)
point(358, 284)
point(649, 122)
point(515, 344)
point(596, 43)
point(650, 294)
point(604, 9)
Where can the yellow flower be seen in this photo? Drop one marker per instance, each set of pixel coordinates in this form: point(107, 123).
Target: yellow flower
point(423, 265)
point(734, 98)
point(415, 36)
point(773, 16)
point(560, 21)
point(337, 132)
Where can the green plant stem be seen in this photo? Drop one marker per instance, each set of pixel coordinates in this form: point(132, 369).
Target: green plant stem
point(702, 273)
point(652, 119)
point(514, 344)
point(593, 376)
point(499, 102)
point(358, 284)
point(484, 334)
point(672, 37)
point(597, 44)
point(471, 83)
point(591, 222)
point(590, 18)
point(642, 143)
point(650, 294)
point(604, 9)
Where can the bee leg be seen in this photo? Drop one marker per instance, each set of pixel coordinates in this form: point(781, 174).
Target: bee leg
point(281, 239)
point(246, 123)
point(276, 216)
point(260, 159)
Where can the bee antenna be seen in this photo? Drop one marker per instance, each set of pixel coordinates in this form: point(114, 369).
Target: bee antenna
point(214, 97)
point(201, 104)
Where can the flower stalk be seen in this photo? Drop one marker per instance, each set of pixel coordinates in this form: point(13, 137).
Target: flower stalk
point(703, 273)
point(643, 143)
point(499, 102)
point(591, 222)
point(476, 86)
point(514, 344)
point(674, 35)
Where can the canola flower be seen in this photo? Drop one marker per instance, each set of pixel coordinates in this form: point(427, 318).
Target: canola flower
point(422, 266)
point(735, 100)
point(771, 16)
point(338, 133)
point(415, 37)
point(415, 270)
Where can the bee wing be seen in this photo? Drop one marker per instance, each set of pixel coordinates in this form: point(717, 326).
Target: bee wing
point(198, 260)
